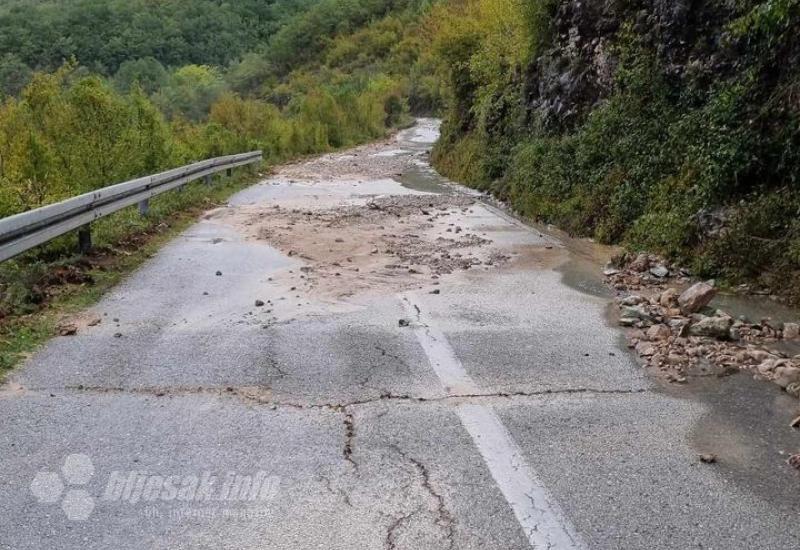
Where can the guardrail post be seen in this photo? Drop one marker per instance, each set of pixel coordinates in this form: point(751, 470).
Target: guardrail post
point(85, 239)
point(208, 180)
point(144, 207)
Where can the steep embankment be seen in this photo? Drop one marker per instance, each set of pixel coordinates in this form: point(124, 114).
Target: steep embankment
point(668, 126)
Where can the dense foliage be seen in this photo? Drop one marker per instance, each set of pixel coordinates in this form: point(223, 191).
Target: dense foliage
point(668, 126)
point(102, 34)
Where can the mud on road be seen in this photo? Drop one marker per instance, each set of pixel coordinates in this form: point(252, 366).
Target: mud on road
point(358, 230)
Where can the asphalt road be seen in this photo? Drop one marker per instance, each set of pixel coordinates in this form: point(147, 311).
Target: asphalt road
point(500, 413)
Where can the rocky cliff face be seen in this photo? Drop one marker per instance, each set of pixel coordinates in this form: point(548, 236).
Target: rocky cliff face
point(693, 41)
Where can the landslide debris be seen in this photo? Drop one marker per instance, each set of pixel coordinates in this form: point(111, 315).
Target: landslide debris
point(673, 330)
point(397, 241)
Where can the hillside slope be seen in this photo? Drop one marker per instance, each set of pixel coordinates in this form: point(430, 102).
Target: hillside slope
point(667, 126)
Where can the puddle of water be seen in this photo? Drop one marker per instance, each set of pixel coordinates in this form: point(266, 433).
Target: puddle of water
point(755, 308)
point(391, 153)
point(428, 181)
point(584, 270)
point(424, 134)
point(585, 276)
point(747, 428)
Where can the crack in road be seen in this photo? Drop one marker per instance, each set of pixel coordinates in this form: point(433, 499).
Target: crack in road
point(263, 395)
point(396, 524)
point(338, 491)
point(349, 438)
point(444, 518)
point(402, 367)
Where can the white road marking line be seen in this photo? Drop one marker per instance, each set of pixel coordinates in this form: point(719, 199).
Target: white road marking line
point(448, 368)
point(537, 512)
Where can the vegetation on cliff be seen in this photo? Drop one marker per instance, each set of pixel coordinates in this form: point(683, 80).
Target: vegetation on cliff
point(667, 126)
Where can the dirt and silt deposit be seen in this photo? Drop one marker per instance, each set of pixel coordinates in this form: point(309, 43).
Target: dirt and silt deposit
point(359, 231)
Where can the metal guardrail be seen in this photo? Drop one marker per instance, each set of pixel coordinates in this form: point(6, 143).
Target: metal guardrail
point(21, 232)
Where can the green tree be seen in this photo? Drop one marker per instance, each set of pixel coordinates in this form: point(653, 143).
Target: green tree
point(191, 91)
point(146, 73)
point(14, 75)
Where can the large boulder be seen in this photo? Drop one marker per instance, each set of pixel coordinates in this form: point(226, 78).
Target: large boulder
point(636, 312)
point(696, 297)
point(713, 327)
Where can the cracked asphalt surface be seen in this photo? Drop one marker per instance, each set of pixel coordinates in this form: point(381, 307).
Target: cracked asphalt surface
point(359, 422)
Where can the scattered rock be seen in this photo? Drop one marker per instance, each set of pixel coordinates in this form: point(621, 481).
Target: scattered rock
point(794, 461)
point(696, 298)
point(786, 375)
point(708, 458)
point(68, 329)
point(713, 327)
point(632, 300)
point(260, 303)
point(669, 298)
point(795, 423)
point(658, 332)
point(635, 312)
point(404, 323)
point(669, 334)
point(645, 349)
point(641, 263)
point(659, 271)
